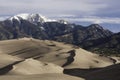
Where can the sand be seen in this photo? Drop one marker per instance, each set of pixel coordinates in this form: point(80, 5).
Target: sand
point(53, 52)
point(6, 59)
point(31, 66)
point(32, 59)
point(41, 77)
point(86, 60)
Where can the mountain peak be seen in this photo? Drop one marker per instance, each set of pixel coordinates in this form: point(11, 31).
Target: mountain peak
point(33, 18)
point(96, 26)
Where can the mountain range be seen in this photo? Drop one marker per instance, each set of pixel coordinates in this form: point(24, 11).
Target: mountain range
point(39, 27)
point(41, 48)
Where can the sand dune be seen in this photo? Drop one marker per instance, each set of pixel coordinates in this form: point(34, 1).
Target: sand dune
point(31, 48)
point(6, 59)
point(32, 59)
point(41, 77)
point(116, 58)
point(85, 59)
point(31, 66)
point(53, 52)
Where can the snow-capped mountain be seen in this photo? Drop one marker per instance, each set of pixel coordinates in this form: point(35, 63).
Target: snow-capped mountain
point(33, 18)
point(40, 27)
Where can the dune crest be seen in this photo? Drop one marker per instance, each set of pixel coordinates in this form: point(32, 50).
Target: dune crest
point(31, 66)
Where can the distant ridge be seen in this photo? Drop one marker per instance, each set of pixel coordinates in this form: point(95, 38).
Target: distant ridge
point(40, 27)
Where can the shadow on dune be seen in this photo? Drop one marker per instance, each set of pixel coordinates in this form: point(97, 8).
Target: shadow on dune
point(70, 59)
point(107, 73)
point(79, 72)
point(8, 68)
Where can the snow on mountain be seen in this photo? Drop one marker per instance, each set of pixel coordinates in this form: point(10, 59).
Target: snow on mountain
point(33, 18)
point(63, 21)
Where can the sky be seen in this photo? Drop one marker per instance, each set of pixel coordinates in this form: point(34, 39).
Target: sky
point(84, 12)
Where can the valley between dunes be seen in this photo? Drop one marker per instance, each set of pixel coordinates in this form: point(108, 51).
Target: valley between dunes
point(32, 59)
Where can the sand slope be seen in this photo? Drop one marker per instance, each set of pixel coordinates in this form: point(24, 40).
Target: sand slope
point(85, 59)
point(53, 52)
point(32, 59)
point(41, 77)
point(31, 66)
point(6, 59)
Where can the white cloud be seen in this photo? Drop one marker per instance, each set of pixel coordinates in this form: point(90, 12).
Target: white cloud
point(97, 20)
point(4, 17)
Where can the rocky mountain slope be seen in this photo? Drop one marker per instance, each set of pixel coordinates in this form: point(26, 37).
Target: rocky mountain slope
point(81, 34)
point(39, 27)
point(108, 45)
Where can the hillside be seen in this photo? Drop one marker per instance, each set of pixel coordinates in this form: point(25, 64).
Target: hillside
point(106, 46)
point(39, 27)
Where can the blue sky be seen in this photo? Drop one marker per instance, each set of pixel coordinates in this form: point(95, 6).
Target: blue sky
point(104, 12)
